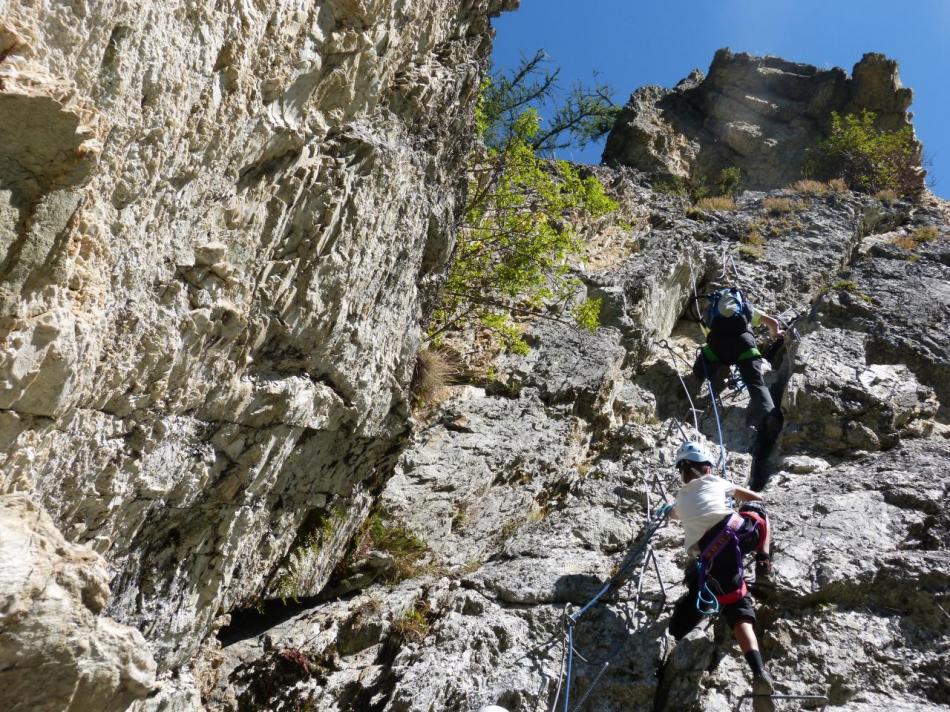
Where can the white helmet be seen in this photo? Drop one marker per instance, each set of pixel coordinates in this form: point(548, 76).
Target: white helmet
point(692, 451)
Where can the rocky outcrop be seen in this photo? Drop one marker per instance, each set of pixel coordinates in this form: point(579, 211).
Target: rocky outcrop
point(758, 114)
point(219, 230)
point(529, 492)
point(57, 649)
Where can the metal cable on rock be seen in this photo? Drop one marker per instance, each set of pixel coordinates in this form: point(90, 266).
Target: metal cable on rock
point(640, 554)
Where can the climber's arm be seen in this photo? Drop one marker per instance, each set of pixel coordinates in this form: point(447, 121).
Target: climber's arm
point(747, 495)
point(771, 323)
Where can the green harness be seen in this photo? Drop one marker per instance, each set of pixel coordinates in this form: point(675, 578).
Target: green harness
point(744, 356)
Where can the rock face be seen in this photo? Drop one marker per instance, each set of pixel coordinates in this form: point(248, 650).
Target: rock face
point(219, 229)
point(528, 494)
point(57, 651)
point(758, 114)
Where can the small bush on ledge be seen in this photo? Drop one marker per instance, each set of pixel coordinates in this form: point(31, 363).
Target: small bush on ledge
point(867, 158)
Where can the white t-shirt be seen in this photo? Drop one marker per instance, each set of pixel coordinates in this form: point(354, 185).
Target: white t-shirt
point(701, 503)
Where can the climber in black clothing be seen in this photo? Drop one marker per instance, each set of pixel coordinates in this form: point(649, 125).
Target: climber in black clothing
point(728, 322)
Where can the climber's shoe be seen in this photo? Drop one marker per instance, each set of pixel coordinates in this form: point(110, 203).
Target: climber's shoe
point(764, 584)
point(762, 690)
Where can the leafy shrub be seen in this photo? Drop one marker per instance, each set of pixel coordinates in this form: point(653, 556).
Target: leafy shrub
point(673, 185)
point(867, 158)
point(730, 181)
point(727, 184)
point(511, 256)
point(587, 313)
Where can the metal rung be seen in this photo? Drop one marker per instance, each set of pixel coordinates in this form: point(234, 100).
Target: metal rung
point(811, 698)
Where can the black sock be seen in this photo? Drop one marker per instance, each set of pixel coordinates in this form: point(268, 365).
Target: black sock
point(754, 658)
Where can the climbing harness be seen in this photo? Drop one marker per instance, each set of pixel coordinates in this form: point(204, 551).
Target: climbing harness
point(632, 571)
point(707, 602)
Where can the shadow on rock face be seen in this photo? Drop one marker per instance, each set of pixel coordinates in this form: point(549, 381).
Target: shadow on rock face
point(577, 589)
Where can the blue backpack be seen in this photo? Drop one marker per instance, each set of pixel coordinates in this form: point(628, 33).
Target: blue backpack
point(727, 312)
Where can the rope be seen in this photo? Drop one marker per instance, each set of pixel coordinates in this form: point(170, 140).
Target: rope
point(692, 405)
point(728, 259)
point(722, 465)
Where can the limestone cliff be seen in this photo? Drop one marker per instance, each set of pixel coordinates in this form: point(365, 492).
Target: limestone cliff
point(758, 114)
point(221, 231)
point(220, 224)
point(529, 492)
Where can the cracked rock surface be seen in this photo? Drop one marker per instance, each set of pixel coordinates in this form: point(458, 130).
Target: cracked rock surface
point(220, 228)
point(528, 496)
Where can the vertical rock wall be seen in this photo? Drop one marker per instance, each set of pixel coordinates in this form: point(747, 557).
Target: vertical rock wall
point(528, 497)
point(218, 224)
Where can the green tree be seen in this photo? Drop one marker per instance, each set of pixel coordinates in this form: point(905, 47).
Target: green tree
point(511, 256)
point(867, 158)
point(584, 114)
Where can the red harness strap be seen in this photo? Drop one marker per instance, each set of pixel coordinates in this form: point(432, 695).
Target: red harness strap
point(763, 527)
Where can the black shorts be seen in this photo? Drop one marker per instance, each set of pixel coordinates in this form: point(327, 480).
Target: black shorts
point(687, 616)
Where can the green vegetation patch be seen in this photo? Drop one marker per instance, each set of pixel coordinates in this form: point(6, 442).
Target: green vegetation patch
point(867, 158)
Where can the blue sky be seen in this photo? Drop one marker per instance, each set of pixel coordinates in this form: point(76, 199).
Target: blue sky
point(632, 43)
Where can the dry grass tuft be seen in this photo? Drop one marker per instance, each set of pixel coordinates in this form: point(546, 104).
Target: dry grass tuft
point(436, 369)
point(414, 625)
point(778, 206)
point(751, 243)
point(838, 185)
point(918, 237)
point(811, 187)
point(754, 252)
point(716, 203)
point(886, 196)
point(752, 237)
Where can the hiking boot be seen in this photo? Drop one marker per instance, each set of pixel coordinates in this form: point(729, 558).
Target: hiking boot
point(762, 688)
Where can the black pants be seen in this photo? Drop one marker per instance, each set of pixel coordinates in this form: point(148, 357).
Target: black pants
point(762, 413)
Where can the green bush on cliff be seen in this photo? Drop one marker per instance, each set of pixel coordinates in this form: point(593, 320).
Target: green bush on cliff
point(511, 256)
point(867, 158)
